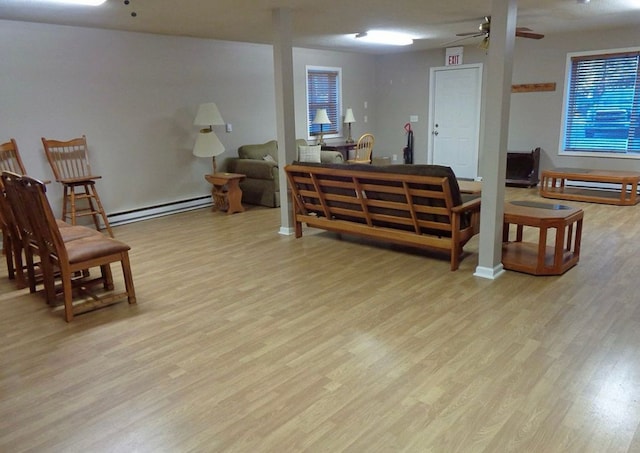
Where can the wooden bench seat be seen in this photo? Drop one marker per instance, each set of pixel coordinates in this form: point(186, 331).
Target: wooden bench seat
point(553, 185)
point(394, 203)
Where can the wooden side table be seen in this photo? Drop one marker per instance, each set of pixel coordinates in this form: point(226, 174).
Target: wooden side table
point(226, 192)
point(540, 259)
point(342, 148)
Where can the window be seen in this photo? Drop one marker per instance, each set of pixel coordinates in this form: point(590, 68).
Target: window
point(602, 103)
point(324, 92)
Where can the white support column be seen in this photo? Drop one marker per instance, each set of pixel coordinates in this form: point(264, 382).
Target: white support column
point(496, 123)
point(285, 111)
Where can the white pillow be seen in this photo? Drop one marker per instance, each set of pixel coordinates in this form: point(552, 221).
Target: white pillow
point(309, 153)
point(268, 158)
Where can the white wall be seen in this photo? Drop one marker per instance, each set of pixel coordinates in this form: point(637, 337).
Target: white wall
point(135, 96)
point(402, 85)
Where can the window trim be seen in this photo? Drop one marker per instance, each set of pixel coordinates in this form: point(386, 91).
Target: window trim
point(340, 126)
point(562, 151)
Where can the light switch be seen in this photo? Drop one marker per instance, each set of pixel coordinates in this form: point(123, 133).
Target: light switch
point(229, 127)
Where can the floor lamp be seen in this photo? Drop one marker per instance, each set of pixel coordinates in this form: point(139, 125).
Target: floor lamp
point(207, 143)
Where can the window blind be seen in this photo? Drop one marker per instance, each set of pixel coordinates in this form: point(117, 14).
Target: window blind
point(603, 103)
point(323, 93)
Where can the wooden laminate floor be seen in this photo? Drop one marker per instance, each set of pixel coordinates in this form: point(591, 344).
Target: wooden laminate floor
point(244, 340)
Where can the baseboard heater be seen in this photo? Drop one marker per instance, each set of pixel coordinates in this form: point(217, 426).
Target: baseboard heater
point(151, 212)
point(595, 185)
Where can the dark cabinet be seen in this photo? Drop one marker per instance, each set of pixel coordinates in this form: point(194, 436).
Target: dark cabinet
point(522, 168)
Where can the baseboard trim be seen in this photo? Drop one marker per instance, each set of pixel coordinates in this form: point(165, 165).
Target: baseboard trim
point(287, 231)
point(490, 273)
point(151, 212)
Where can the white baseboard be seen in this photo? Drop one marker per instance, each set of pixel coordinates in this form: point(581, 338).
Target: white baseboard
point(151, 212)
point(489, 272)
point(287, 231)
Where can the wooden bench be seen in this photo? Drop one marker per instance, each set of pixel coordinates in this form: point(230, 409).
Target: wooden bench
point(553, 185)
point(387, 203)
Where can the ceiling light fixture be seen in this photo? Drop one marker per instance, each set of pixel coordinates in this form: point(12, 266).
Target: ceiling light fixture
point(385, 37)
point(77, 2)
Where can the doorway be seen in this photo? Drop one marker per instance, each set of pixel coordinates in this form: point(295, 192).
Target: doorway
point(455, 94)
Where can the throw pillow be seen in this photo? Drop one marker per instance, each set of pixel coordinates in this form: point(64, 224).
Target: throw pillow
point(269, 158)
point(310, 153)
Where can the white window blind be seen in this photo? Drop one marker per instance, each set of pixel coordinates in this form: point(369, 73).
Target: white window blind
point(603, 104)
point(323, 92)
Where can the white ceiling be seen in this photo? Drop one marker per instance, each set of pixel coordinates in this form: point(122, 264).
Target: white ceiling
point(326, 24)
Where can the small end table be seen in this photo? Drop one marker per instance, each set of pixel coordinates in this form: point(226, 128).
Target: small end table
point(342, 148)
point(226, 192)
point(540, 259)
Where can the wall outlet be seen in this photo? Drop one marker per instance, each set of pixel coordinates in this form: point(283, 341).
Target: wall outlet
point(394, 157)
point(366, 119)
point(413, 118)
point(229, 127)
point(366, 104)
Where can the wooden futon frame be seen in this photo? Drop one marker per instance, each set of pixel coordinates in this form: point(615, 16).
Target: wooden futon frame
point(385, 204)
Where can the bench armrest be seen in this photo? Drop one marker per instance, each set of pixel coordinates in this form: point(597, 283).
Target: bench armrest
point(468, 206)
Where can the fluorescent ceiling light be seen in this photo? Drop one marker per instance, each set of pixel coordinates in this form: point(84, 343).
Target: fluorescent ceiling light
point(77, 2)
point(385, 37)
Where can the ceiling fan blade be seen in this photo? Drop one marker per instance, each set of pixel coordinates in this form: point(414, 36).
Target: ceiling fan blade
point(526, 34)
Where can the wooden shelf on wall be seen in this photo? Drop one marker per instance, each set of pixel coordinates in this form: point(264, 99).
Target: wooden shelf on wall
point(531, 87)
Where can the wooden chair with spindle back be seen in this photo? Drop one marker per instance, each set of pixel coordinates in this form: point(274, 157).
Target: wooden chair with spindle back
point(363, 150)
point(69, 162)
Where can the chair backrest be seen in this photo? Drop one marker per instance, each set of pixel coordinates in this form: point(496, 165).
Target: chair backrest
point(15, 207)
point(6, 215)
point(10, 158)
point(33, 214)
point(68, 159)
point(364, 148)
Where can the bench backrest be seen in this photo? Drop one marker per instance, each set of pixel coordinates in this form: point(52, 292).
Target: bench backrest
point(401, 198)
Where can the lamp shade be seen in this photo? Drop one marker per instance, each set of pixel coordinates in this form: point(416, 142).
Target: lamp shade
point(348, 116)
point(321, 117)
point(208, 115)
point(208, 144)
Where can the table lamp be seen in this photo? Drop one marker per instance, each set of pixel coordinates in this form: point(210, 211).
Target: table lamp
point(207, 143)
point(348, 119)
point(321, 118)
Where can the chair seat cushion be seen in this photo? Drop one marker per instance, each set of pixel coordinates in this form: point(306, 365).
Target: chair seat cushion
point(91, 247)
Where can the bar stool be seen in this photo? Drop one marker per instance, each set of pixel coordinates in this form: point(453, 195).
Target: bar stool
point(69, 162)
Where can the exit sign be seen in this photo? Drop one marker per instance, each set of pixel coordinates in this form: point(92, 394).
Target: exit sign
point(453, 56)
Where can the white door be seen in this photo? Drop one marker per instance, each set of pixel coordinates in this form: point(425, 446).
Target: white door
point(454, 118)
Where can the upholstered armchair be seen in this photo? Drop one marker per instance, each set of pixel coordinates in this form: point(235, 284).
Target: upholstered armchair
point(259, 163)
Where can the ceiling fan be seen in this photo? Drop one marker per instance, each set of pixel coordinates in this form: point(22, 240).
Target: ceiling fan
point(484, 29)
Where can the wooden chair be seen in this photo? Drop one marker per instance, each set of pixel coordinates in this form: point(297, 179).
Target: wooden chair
point(10, 161)
point(363, 150)
point(11, 244)
point(70, 258)
point(23, 237)
point(10, 158)
point(70, 164)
